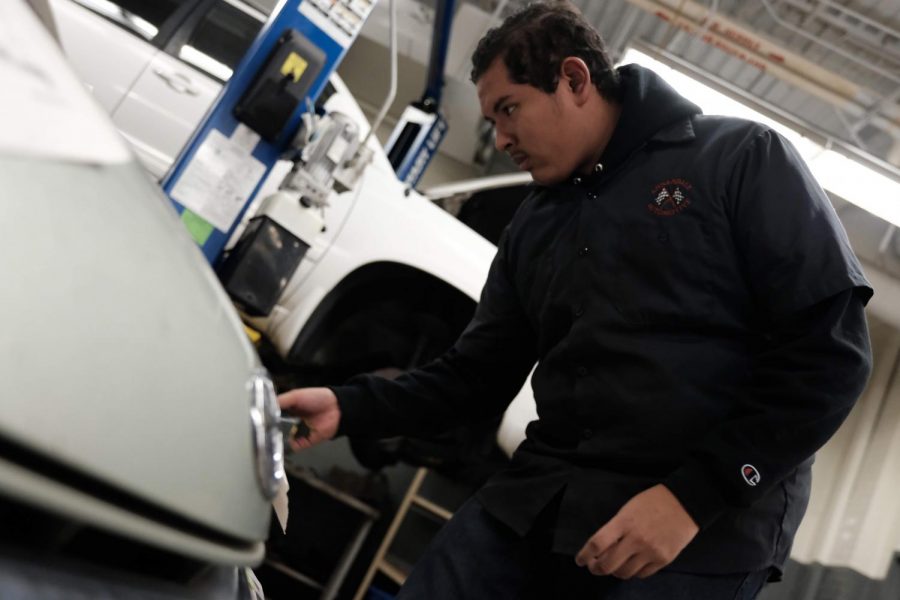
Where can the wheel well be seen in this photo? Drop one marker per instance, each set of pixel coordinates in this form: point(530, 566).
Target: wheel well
point(382, 315)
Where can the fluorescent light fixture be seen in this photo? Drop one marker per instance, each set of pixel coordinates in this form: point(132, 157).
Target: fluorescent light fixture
point(204, 61)
point(857, 183)
point(840, 175)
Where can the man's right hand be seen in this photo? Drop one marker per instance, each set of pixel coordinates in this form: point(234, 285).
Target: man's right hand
point(318, 407)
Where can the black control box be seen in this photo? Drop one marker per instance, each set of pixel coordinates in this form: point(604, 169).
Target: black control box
point(280, 85)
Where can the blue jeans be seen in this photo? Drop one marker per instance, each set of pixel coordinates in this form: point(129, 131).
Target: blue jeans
point(475, 557)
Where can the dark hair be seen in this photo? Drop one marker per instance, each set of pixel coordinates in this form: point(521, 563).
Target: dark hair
point(534, 42)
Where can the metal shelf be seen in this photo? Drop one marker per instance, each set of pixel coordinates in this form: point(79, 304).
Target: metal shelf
point(388, 565)
point(395, 568)
point(306, 580)
point(431, 507)
point(332, 497)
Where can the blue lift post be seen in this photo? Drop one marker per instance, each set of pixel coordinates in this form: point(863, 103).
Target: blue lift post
point(422, 127)
point(434, 86)
point(224, 164)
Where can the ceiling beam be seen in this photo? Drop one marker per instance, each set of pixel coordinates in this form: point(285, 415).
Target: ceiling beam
point(749, 46)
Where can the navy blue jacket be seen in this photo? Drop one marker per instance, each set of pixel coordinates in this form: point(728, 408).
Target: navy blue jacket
point(696, 313)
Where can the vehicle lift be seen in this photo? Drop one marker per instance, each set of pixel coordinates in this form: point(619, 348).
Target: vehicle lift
point(422, 127)
point(266, 112)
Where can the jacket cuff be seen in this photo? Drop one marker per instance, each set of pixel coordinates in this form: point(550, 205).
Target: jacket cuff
point(355, 405)
point(697, 492)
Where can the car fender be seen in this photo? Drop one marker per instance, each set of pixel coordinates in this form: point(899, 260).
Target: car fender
point(385, 224)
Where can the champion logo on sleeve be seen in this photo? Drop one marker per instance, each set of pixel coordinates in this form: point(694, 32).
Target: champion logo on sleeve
point(751, 475)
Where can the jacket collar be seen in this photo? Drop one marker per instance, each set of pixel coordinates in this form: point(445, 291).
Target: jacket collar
point(651, 110)
point(678, 132)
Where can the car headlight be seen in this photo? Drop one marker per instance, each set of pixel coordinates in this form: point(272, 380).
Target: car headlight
point(268, 444)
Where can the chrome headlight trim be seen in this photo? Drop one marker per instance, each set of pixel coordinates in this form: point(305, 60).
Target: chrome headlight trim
point(268, 444)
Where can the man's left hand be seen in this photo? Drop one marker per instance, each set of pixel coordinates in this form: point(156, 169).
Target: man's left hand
point(644, 536)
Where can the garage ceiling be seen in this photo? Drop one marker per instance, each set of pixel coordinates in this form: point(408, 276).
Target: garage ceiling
point(831, 67)
point(828, 68)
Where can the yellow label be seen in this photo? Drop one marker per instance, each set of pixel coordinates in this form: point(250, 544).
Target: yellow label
point(294, 66)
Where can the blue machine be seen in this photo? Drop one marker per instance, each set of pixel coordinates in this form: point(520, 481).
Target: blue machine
point(257, 115)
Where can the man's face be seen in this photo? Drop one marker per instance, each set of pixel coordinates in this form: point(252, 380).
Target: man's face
point(535, 128)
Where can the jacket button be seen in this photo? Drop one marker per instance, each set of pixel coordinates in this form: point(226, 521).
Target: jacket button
point(587, 434)
point(576, 180)
point(579, 310)
point(583, 251)
point(663, 237)
point(592, 196)
point(581, 371)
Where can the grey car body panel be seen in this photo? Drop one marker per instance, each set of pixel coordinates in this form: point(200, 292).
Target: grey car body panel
point(121, 356)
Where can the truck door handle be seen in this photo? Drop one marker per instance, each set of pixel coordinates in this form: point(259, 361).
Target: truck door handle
point(178, 82)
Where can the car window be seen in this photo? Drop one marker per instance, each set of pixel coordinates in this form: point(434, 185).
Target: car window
point(220, 40)
point(140, 17)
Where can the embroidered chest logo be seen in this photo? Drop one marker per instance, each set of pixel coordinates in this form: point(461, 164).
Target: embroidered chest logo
point(670, 197)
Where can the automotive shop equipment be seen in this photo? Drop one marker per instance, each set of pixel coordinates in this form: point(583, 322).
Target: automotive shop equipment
point(263, 112)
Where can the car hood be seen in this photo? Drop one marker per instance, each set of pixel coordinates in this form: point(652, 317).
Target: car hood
point(121, 357)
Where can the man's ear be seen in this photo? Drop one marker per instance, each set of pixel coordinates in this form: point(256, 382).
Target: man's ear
point(575, 75)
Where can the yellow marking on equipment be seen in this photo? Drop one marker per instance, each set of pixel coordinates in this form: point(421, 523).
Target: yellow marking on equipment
point(294, 66)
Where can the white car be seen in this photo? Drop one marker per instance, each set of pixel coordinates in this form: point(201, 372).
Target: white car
point(139, 444)
point(156, 67)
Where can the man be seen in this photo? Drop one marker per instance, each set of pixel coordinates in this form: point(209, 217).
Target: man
point(696, 314)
